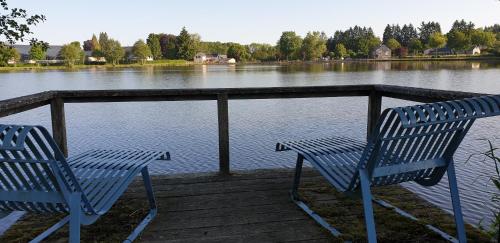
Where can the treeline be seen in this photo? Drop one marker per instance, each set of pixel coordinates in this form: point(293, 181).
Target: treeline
point(355, 42)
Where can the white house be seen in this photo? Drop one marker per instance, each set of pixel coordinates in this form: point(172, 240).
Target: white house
point(200, 58)
point(474, 51)
point(213, 58)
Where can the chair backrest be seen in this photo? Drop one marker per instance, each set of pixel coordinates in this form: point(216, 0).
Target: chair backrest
point(34, 174)
point(417, 143)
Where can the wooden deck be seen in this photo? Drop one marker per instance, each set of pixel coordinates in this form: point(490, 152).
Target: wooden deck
point(244, 207)
point(247, 207)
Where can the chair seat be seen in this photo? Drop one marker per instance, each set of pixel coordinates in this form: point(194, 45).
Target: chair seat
point(105, 174)
point(336, 158)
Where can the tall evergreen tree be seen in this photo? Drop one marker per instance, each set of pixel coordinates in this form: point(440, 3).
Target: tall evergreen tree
point(427, 29)
point(388, 34)
point(463, 26)
point(398, 34)
point(408, 32)
point(95, 43)
point(186, 48)
point(103, 41)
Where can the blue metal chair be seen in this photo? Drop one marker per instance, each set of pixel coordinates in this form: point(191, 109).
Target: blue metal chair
point(36, 177)
point(414, 143)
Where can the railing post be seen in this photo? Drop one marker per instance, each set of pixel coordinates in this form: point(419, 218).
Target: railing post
point(374, 110)
point(223, 118)
point(59, 124)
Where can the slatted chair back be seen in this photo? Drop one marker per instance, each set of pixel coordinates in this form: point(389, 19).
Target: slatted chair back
point(417, 143)
point(34, 174)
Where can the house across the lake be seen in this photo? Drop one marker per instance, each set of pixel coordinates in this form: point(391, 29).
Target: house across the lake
point(382, 52)
point(213, 58)
point(473, 51)
point(52, 55)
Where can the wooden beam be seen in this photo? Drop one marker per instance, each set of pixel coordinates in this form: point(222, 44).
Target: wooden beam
point(59, 124)
point(24, 103)
point(223, 121)
point(374, 111)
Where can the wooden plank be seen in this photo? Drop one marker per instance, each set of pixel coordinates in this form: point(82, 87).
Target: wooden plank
point(223, 121)
point(24, 103)
point(129, 95)
point(20, 104)
point(59, 124)
point(374, 110)
point(283, 230)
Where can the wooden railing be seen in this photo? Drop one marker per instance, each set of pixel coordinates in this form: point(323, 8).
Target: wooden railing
point(57, 99)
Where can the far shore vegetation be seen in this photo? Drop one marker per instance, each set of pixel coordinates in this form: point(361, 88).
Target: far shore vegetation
point(406, 42)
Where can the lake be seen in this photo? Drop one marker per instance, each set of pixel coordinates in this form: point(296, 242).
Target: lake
point(188, 129)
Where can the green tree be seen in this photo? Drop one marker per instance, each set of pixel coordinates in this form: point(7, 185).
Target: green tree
point(141, 51)
point(340, 51)
point(8, 53)
point(15, 24)
point(314, 45)
point(462, 26)
point(483, 38)
point(216, 47)
point(95, 43)
point(113, 51)
point(238, 52)
point(416, 46)
point(71, 53)
point(168, 46)
point(262, 52)
point(103, 41)
point(38, 51)
point(437, 40)
point(186, 45)
point(393, 44)
point(355, 40)
point(408, 32)
point(388, 33)
point(367, 45)
point(289, 45)
point(154, 45)
point(427, 29)
point(458, 40)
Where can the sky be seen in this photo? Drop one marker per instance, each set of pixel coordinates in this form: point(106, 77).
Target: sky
point(260, 21)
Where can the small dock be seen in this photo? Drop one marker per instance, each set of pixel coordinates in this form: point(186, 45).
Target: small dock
point(251, 206)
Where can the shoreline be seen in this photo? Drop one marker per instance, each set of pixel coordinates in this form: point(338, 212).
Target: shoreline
point(183, 63)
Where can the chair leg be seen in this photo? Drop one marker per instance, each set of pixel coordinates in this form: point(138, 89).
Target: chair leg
point(74, 217)
point(367, 206)
point(152, 206)
point(149, 188)
point(455, 199)
point(296, 178)
point(50, 230)
point(294, 194)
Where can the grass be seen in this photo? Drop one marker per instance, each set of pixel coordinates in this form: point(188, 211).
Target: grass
point(157, 63)
point(344, 213)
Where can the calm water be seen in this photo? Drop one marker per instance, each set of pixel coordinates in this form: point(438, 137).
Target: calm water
point(189, 129)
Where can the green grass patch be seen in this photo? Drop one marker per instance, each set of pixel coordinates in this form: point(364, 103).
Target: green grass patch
point(346, 214)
